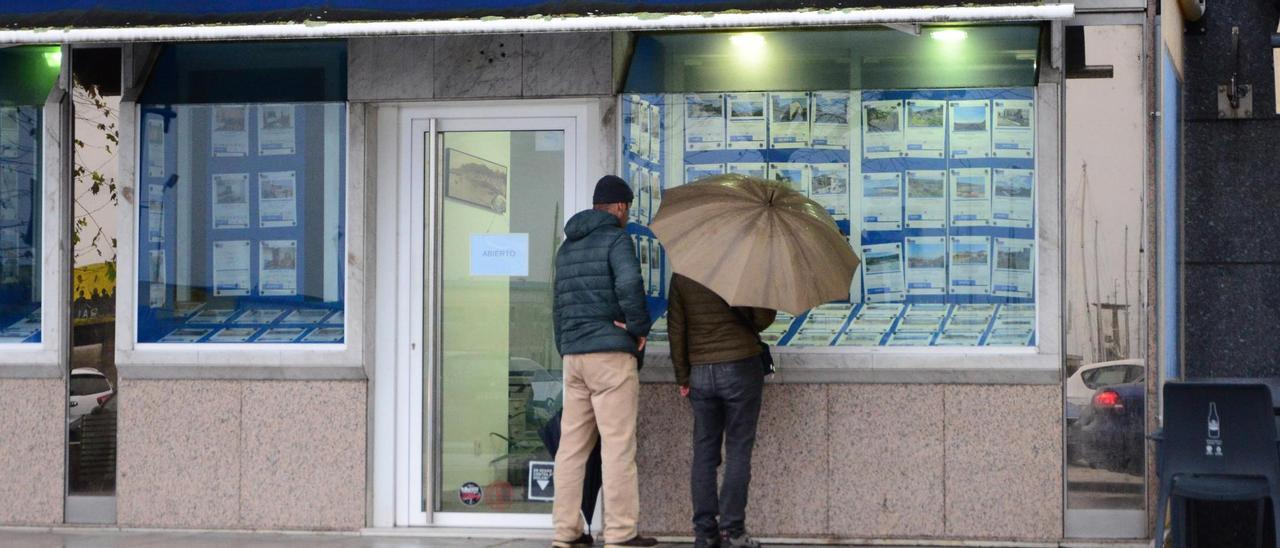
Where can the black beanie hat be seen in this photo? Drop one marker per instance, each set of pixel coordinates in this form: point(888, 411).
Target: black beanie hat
point(611, 189)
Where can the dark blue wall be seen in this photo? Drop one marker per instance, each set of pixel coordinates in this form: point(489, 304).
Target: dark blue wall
point(1232, 199)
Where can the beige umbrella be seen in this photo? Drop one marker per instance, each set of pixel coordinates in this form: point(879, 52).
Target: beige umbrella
point(755, 243)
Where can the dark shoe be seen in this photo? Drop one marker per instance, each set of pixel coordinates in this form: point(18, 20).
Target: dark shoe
point(584, 541)
point(706, 542)
point(742, 540)
point(637, 541)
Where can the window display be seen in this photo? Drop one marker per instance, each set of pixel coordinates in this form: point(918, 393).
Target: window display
point(240, 223)
point(22, 99)
point(935, 189)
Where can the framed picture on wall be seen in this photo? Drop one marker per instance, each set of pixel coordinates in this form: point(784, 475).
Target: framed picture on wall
point(475, 180)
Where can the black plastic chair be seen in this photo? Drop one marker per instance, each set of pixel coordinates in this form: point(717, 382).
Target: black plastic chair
point(1218, 444)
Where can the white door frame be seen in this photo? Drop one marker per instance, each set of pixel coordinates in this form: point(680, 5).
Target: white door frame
point(409, 304)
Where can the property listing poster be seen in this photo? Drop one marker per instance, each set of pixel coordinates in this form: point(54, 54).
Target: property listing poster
point(881, 201)
point(750, 169)
point(155, 145)
point(881, 129)
point(882, 278)
point(278, 267)
point(277, 199)
point(696, 172)
point(926, 265)
point(1013, 275)
point(926, 201)
point(704, 122)
point(829, 187)
point(276, 134)
point(1014, 133)
point(655, 133)
point(830, 120)
point(155, 213)
point(230, 200)
point(788, 120)
point(795, 176)
point(1012, 203)
point(746, 127)
point(970, 271)
point(970, 196)
point(970, 134)
point(230, 131)
point(634, 125)
point(158, 278)
point(926, 134)
point(231, 268)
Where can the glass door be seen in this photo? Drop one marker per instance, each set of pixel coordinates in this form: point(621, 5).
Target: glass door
point(493, 213)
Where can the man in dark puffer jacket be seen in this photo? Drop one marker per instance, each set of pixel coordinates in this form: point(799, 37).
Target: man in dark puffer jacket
point(601, 321)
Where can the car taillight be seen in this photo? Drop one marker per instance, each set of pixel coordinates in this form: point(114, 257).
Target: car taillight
point(103, 399)
point(1108, 399)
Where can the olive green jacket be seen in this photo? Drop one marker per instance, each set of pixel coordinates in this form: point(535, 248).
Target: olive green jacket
point(703, 329)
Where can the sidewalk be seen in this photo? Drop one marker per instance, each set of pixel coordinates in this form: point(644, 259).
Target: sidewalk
point(70, 537)
point(98, 538)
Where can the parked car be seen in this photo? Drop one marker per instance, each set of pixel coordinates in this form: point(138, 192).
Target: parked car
point(89, 389)
point(1082, 384)
point(1109, 432)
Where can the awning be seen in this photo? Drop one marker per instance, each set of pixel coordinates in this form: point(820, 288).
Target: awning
point(109, 21)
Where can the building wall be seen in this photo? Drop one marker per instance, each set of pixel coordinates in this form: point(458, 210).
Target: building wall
point(1232, 268)
point(875, 461)
point(241, 454)
point(32, 451)
point(1105, 182)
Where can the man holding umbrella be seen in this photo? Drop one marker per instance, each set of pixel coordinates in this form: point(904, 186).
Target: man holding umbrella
point(740, 249)
point(601, 321)
point(716, 351)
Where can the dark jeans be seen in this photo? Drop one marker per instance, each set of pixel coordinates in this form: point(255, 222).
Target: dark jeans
point(726, 409)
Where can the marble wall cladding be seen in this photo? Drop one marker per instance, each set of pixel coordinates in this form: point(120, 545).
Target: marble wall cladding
point(1003, 461)
point(876, 461)
point(478, 66)
point(32, 414)
point(887, 458)
point(178, 454)
point(568, 64)
point(790, 482)
point(391, 69)
point(303, 455)
point(242, 454)
point(415, 68)
point(789, 467)
point(664, 455)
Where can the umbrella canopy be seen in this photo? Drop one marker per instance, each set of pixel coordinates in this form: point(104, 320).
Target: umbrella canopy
point(755, 243)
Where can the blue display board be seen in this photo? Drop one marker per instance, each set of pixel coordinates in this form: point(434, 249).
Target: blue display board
point(251, 224)
point(934, 188)
point(20, 224)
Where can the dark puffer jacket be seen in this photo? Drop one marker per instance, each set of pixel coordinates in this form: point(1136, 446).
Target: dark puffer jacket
point(703, 329)
point(597, 283)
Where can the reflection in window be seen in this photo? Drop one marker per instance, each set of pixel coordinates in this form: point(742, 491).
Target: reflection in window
point(241, 223)
point(934, 189)
point(20, 173)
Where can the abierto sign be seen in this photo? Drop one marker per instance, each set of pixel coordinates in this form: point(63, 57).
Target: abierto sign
point(499, 254)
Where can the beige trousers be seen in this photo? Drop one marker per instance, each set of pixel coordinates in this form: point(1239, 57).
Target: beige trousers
point(600, 391)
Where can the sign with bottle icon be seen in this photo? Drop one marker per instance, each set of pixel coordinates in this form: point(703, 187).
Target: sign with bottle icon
point(1213, 443)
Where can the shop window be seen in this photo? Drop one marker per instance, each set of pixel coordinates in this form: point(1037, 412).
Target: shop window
point(35, 70)
point(242, 195)
point(932, 180)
